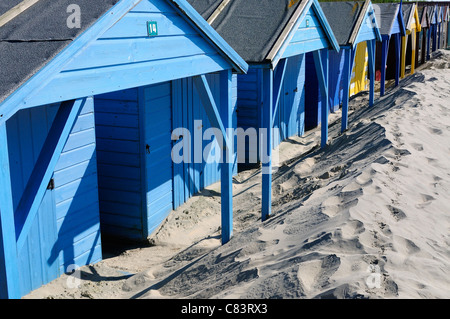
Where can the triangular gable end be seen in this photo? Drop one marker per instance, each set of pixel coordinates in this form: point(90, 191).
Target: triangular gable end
point(369, 28)
point(398, 25)
point(416, 19)
point(311, 32)
point(125, 53)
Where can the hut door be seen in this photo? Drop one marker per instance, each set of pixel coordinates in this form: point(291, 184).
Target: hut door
point(27, 131)
point(158, 146)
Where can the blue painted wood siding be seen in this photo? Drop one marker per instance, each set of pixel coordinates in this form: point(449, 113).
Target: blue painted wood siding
point(367, 29)
point(335, 79)
point(138, 182)
point(127, 57)
point(309, 36)
point(66, 228)
point(249, 89)
point(119, 162)
point(290, 116)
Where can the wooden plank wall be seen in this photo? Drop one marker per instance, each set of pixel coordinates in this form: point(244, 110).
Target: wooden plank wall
point(119, 163)
point(66, 230)
point(309, 36)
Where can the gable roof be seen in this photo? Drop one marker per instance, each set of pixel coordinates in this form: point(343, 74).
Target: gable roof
point(30, 40)
point(346, 19)
point(255, 27)
point(423, 16)
point(38, 40)
point(386, 14)
point(431, 11)
point(409, 11)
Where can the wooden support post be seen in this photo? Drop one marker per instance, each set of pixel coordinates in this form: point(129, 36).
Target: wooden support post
point(321, 65)
point(413, 50)
point(221, 119)
point(434, 26)
point(416, 53)
point(45, 165)
point(384, 53)
point(398, 48)
point(9, 273)
point(371, 47)
point(346, 78)
point(403, 55)
point(226, 181)
point(266, 140)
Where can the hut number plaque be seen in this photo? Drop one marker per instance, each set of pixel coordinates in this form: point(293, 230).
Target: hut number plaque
point(152, 27)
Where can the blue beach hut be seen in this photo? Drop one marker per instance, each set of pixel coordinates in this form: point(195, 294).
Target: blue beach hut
point(60, 65)
point(392, 28)
point(432, 38)
point(273, 37)
point(352, 22)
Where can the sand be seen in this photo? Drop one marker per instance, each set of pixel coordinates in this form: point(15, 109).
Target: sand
point(366, 217)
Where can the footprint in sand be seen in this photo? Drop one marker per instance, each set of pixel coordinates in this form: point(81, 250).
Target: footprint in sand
point(352, 228)
point(434, 130)
point(426, 200)
point(397, 213)
point(417, 146)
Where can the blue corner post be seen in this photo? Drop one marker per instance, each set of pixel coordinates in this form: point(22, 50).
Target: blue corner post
point(226, 114)
point(429, 41)
point(321, 63)
point(266, 136)
point(384, 53)
point(349, 56)
point(371, 48)
point(9, 273)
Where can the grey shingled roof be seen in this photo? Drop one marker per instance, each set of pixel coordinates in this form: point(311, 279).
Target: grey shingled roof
point(205, 7)
point(342, 17)
point(408, 13)
point(251, 27)
point(34, 37)
point(386, 13)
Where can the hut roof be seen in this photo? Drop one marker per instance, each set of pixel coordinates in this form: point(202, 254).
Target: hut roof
point(33, 38)
point(252, 27)
point(38, 34)
point(342, 17)
point(386, 14)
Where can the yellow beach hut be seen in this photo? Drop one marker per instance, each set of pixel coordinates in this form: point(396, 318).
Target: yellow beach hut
point(412, 26)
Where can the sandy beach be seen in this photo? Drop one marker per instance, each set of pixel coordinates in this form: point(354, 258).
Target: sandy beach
point(366, 217)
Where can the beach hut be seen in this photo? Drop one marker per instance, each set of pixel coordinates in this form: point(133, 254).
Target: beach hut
point(57, 63)
point(445, 20)
point(390, 21)
point(352, 23)
point(432, 37)
point(273, 37)
point(422, 42)
point(412, 26)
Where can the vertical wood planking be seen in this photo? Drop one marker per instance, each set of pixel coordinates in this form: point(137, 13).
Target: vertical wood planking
point(9, 273)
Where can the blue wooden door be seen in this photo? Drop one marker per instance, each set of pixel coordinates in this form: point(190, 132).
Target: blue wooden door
point(27, 132)
point(157, 139)
point(290, 116)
